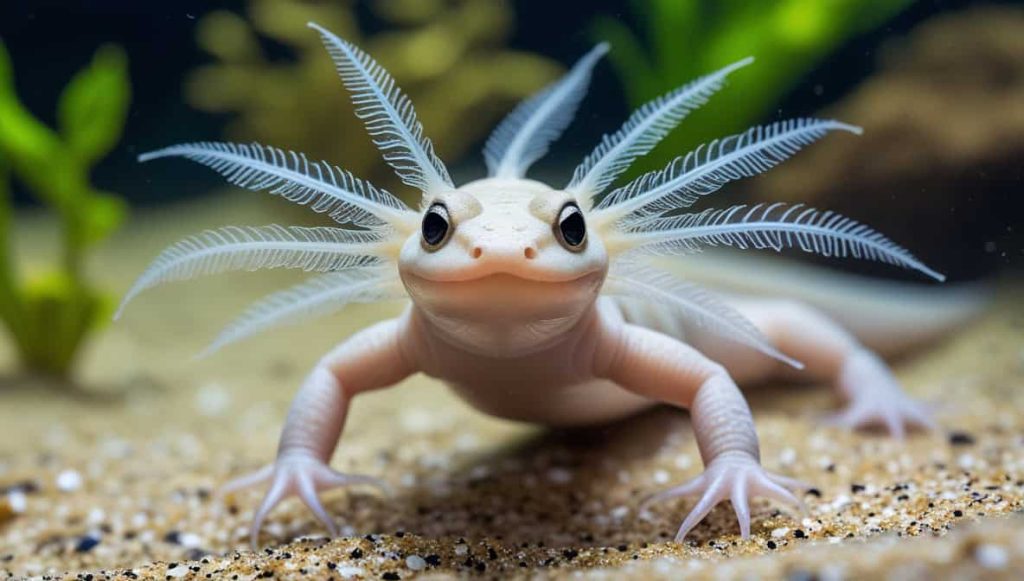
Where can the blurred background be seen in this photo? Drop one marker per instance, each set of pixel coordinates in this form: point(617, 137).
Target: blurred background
point(111, 443)
point(86, 86)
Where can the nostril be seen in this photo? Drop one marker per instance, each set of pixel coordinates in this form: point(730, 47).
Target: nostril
point(530, 253)
point(477, 252)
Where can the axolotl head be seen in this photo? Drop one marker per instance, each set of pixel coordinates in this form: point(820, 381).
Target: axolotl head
point(503, 266)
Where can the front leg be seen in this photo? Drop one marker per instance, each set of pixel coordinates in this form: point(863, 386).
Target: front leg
point(661, 368)
point(370, 359)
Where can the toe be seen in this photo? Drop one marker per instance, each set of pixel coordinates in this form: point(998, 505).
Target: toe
point(766, 487)
point(711, 497)
point(741, 506)
point(249, 480)
point(274, 496)
point(328, 478)
point(688, 488)
point(893, 422)
point(790, 483)
point(307, 492)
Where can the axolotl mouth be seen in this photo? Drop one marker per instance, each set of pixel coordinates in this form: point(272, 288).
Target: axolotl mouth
point(504, 296)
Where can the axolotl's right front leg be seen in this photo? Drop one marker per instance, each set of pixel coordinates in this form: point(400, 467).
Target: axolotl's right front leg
point(371, 359)
point(664, 369)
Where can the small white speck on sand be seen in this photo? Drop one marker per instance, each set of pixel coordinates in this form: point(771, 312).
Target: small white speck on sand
point(461, 549)
point(96, 516)
point(991, 556)
point(965, 461)
point(787, 456)
point(17, 500)
point(212, 400)
point(683, 461)
point(780, 532)
point(661, 477)
point(178, 571)
point(69, 481)
point(559, 475)
point(349, 572)
point(415, 563)
point(190, 540)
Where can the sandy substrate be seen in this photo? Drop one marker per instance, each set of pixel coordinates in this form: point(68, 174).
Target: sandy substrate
point(117, 479)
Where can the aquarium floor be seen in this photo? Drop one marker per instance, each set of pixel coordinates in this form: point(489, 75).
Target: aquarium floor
point(118, 479)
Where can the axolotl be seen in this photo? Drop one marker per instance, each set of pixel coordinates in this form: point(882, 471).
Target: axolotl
point(544, 304)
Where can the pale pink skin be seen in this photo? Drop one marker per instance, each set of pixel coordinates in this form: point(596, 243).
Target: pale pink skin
point(515, 324)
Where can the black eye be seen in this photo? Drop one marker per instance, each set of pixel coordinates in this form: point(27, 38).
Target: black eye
point(435, 226)
point(571, 228)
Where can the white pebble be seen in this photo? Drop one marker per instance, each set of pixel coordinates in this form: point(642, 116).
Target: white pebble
point(212, 400)
point(415, 563)
point(177, 571)
point(139, 520)
point(661, 476)
point(69, 481)
point(17, 501)
point(559, 475)
point(190, 540)
point(461, 549)
point(683, 461)
point(965, 461)
point(620, 512)
point(96, 516)
point(991, 556)
point(348, 572)
point(787, 456)
point(780, 532)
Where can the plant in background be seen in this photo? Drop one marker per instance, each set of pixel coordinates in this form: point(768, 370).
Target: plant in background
point(447, 55)
point(49, 314)
point(683, 39)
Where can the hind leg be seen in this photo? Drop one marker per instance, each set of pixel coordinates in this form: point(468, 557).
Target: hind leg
point(830, 353)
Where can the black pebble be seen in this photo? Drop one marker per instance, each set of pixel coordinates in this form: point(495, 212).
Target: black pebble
point(86, 544)
point(799, 533)
point(356, 553)
point(391, 576)
point(961, 439)
point(814, 492)
point(173, 537)
point(855, 488)
point(433, 560)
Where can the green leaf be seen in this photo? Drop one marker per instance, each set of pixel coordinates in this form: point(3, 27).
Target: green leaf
point(93, 107)
point(102, 214)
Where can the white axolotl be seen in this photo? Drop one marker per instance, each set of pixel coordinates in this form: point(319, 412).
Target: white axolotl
point(541, 304)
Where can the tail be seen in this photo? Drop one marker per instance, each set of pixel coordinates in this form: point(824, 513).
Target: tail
point(889, 317)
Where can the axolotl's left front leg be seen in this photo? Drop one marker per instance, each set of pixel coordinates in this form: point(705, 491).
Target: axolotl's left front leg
point(373, 358)
point(664, 369)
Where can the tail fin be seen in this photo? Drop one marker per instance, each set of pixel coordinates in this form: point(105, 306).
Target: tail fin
point(889, 317)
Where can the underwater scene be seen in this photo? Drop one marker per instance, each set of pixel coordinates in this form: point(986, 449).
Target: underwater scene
point(620, 289)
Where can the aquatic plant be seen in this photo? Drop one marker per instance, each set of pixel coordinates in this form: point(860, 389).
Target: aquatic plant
point(449, 57)
point(49, 314)
point(683, 38)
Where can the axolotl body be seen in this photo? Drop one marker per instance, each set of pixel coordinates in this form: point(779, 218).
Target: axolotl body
point(542, 304)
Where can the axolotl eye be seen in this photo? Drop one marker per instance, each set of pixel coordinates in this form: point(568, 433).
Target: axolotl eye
point(436, 226)
point(571, 228)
